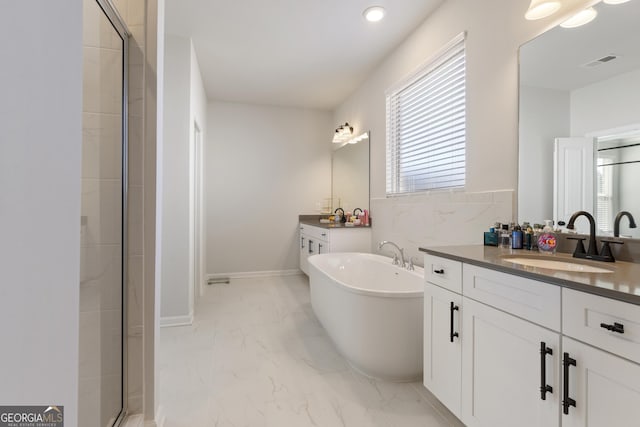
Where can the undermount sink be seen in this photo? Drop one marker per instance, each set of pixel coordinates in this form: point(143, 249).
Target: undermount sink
point(553, 264)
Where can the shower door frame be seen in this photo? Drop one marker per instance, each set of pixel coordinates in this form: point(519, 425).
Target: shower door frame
point(120, 26)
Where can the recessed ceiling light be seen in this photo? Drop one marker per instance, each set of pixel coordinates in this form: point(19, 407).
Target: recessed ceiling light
point(615, 1)
point(374, 13)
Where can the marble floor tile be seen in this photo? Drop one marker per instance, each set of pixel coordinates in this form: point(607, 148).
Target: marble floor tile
point(257, 356)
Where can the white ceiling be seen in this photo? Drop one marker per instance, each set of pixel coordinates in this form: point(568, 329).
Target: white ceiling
point(303, 53)
point(555, 60)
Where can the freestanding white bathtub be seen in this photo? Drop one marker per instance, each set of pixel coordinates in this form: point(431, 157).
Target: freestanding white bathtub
point(372, 310)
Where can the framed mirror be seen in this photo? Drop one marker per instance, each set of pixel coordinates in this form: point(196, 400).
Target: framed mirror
point(579, 126)
point(350, 174)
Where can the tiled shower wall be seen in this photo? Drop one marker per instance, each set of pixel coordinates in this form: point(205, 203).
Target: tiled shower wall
point(133, 13)
point(100, 349)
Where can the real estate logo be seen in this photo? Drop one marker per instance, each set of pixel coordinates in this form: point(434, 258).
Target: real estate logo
point(32, 416)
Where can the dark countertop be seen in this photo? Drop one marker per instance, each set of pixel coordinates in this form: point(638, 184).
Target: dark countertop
point(623, 283)
point(314, 220)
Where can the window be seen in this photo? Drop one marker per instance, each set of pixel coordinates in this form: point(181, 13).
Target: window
point(426, 129)
point(604, 194)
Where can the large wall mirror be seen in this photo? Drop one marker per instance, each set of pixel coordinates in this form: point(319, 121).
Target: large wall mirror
point(579, 132)
point(350, 174)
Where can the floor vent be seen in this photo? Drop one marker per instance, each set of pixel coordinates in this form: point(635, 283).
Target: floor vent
point(218, 280)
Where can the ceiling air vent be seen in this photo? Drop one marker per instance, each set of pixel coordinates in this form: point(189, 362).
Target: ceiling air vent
point(600, 61)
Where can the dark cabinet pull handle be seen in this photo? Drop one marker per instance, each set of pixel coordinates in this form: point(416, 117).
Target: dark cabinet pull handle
point(544, 387)
point(302, 243)
point(616, 327)
point(323, 234)
point(310, 246)
point(452, 334)
point(441, 271)
point(319, 247)
point(566, 400)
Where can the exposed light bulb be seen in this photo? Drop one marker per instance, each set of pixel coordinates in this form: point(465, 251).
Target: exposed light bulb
point(581, 18)
point(539, 9)
point(374, 13)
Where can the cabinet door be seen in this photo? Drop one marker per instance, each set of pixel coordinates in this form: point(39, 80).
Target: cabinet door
point(502, 369)
point(606, 388)
point(303, 244)
point(442, 348)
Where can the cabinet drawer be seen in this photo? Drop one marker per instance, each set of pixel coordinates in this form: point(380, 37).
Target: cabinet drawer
point(535, 301)
point(585, 317)
point(443, 272)
point(317, 233)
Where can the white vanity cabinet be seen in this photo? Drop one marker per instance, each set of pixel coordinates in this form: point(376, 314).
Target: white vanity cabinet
point(507, 321)
point(319, 240)
point(525, 348)
point(442, 347)
point(605, 385)
point(501, 370)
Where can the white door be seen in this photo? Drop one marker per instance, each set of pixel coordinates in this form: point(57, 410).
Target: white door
point(442, 347)
point(606, 388)
point(502, 370)
point(573, 179)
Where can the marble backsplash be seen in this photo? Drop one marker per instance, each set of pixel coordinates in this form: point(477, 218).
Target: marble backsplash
point(438, 218)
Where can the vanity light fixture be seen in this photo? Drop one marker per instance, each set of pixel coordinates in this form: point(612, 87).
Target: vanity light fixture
point(343, 133)
point(359, 138)
point(581, 18)
point(539, 9)
point(374, 13)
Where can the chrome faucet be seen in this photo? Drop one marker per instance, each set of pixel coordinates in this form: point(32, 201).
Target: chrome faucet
point(592, 252)
point(616, 223)
point(395, 257)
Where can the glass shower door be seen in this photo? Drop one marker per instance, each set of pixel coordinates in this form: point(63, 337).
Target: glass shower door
point(102, 223)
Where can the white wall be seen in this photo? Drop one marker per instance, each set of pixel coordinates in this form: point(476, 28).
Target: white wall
point(198, 117)
point(544, 116)
point(184, 104)
point(495, 29)
point(40, 164)
point(175, 193)
point(606, 105)
point(264, 166)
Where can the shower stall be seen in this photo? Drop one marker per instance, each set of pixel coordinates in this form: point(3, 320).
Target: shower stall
point(103, 272)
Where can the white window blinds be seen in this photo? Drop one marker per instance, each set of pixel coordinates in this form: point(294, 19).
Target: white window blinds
point(426, 129)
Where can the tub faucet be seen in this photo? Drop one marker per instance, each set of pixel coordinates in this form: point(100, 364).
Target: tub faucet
point(616, 223)
point(395, 257)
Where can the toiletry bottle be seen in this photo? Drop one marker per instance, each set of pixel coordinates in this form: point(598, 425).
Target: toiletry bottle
point(505, 236)
point(516, 238)
point(491, 237)
point(548, 241)
point(528, 236)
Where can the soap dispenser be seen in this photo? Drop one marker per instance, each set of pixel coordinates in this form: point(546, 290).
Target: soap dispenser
point(548, 240)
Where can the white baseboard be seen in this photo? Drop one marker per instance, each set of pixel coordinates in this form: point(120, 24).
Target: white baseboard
point(134, 420)
point(170, 321)
point(159, 419)
point(255, 274)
